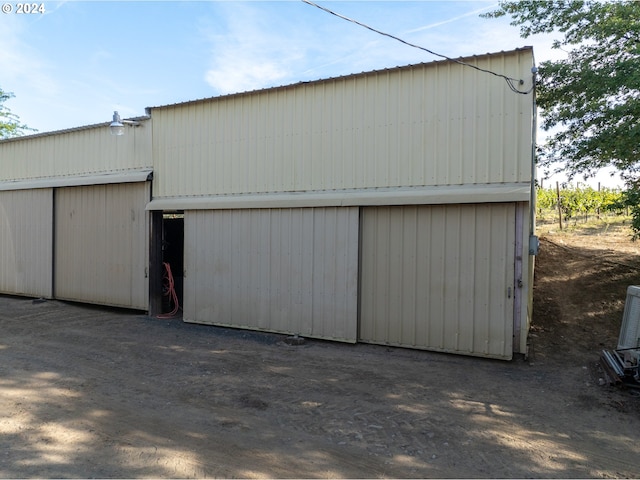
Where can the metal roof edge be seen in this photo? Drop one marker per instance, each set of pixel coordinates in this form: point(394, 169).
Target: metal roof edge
point(69, 130)
point(128, 176)
point(149, 110)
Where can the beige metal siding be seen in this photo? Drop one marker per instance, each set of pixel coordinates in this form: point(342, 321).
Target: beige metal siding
point(527, 286)
point(282, 270)
point(439, 278)
point(75, 152)
point(26, 234)
point(101, 244)
point(431, 124)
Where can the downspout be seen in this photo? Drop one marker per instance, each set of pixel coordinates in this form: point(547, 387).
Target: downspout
point(533, 239)
point(534, 242)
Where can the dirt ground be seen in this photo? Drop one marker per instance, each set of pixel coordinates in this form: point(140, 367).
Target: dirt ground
point(92, 392)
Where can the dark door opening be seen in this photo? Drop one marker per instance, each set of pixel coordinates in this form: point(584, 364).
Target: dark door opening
point(167, 282)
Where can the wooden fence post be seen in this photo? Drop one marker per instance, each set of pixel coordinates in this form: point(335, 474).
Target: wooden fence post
point(558, 203)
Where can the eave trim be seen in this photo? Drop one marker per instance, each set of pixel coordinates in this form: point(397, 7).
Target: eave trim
point(450, 194)
point(129, 176)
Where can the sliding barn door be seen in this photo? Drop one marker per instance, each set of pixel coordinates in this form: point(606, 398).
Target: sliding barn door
point(289, 270)
point(439, 278)
point(102, 244)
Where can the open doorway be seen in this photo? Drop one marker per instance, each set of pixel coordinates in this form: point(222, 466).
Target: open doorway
point(167, 264)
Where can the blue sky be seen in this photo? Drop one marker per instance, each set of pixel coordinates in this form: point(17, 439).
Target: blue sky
point(81, 60)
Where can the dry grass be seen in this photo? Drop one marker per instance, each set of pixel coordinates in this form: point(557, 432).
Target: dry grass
point(605, 233)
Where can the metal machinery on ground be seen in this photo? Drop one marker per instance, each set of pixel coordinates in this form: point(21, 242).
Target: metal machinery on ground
point(622, 365)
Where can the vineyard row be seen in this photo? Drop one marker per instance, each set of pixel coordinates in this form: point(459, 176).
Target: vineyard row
point(582, 201)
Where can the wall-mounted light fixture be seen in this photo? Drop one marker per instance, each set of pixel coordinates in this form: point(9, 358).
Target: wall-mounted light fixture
point(117, 126)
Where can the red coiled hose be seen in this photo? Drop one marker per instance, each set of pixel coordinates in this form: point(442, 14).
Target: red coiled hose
point(169, 290)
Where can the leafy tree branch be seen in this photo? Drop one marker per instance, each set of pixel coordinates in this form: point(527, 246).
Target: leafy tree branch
point(10, 125)
point(594, 94)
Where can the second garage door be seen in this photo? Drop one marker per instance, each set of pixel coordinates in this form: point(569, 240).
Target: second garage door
point(439, 278)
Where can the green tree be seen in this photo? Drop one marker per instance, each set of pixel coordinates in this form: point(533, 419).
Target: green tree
point(592, 97)
point(10, 125)
point(593, 94)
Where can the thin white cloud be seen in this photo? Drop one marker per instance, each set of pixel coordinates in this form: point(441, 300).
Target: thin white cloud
point(453, 19)
point(21, 65)
point(252, 47)
point(49, 10)
point(237, 75)
point(248, 50)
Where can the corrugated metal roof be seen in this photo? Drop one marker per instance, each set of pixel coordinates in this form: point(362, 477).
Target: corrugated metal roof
point(340, 77)
point(70, 130)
